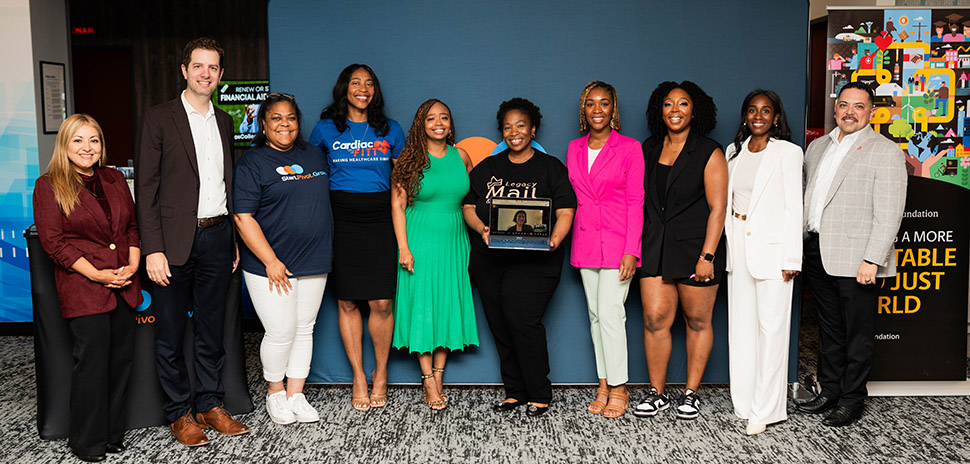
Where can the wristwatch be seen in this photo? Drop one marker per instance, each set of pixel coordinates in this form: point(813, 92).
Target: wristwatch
point(708, 257)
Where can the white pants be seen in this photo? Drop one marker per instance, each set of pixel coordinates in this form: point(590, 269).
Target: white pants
point(759, 321)
point(288, 319)
point(605, 295)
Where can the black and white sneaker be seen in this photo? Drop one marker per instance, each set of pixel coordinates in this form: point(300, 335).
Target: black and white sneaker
point(652, 404)
point(688, 407)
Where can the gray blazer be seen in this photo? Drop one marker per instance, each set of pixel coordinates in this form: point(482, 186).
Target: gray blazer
point(864, 206)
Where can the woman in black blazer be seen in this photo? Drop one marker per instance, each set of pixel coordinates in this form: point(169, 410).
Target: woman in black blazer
point(683, 254)
point(86, 222)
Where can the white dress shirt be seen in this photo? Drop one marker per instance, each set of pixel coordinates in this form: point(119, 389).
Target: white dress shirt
point(209, 154)
point(826, 173)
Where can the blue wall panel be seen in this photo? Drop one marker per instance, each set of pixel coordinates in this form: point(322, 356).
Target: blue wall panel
point(474, 55)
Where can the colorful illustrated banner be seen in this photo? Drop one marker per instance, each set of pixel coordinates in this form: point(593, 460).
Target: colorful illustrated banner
point(241, 100)
point(918, 63)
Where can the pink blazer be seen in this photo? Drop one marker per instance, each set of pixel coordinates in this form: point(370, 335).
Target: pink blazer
point(609, 211)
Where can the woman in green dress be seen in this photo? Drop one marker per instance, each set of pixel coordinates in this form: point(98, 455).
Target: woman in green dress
point(433, 308)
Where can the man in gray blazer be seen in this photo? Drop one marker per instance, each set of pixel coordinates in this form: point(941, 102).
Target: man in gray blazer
point(855, 193)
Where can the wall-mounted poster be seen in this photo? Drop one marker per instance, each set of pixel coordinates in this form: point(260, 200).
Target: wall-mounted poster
point(918, 63)
point(241, 100)
point(54, 95)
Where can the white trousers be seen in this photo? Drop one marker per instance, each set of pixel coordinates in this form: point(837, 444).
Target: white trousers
point(605, 295)
point(759, 322)
point(288, 319)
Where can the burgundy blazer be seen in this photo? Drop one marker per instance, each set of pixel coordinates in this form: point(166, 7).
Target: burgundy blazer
point(86, 232)
point(167, 179)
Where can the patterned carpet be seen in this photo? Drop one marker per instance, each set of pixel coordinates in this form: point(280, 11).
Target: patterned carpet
point(906, 429)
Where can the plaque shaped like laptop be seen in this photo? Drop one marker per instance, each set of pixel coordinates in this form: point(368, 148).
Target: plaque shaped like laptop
point(519, 223)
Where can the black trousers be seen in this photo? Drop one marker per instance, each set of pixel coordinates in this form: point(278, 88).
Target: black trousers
point(197, 291)
point(846, 326)
point(103, 347)
point(515, 295)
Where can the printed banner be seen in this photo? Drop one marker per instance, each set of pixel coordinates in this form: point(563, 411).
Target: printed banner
point(918, 63)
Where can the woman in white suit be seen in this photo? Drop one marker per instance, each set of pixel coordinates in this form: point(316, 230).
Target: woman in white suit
point(764, 254)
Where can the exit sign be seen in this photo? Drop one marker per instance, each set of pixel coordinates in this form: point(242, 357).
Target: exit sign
point(82, 30)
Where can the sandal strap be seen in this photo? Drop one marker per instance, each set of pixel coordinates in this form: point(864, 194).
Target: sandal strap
point(427, 376)
point(437, 369)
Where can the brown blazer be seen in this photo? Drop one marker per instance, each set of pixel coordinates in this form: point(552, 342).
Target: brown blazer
point(167, 179)
point(86, 232)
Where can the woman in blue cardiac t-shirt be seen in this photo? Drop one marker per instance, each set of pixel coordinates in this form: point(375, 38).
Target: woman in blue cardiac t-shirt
point(282, 211)
point(361, 145)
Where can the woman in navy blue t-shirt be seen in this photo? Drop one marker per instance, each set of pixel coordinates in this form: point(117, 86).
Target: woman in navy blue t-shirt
point(281, 197)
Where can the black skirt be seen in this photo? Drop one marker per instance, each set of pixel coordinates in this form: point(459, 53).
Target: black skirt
point(364, 247)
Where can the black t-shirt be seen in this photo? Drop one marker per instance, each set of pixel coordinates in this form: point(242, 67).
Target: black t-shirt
point(542, 176)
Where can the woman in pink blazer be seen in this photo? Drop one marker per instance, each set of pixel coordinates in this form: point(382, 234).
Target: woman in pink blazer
point(606, 171)
point(85, 220)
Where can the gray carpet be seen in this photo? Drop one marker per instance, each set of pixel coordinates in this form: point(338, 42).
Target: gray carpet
point(892, 430)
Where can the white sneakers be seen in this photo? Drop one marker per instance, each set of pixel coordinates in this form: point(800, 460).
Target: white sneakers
point(287, 411)
point(279, 409)
point(301, 409)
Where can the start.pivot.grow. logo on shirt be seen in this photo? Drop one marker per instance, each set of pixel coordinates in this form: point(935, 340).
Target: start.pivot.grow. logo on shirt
point(295, 172)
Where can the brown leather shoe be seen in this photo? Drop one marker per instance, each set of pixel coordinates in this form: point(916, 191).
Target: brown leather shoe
point(220, 420)
point(187, 431)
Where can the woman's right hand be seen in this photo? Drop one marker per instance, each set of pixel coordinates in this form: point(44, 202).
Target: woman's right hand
point(277, 274)
point(407, 260)
point(485, 234)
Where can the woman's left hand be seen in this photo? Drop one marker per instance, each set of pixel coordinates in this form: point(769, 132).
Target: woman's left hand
point(628, 265)
point(788, 275)
point(124, 276)
point(406, 260)
point(703, 271)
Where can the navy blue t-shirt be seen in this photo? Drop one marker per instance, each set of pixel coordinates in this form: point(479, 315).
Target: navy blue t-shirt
point(288, 193)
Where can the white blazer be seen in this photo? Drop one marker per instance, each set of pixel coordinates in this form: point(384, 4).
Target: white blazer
point(773, 227)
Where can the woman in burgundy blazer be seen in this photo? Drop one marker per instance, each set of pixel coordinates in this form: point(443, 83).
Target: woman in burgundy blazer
point(85, 219)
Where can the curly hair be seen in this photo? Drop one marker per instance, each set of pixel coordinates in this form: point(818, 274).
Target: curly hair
point(614, 118)
point(704, 114)
point(519, 104)
point(264, 107)
point(409, 170)
point(337, 110)
point(779, 131)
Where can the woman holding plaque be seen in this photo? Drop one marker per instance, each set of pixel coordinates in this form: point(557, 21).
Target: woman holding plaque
point(362, 144)
point(683, 253)
point(516, 285)
point(606, 171)
point(764, 254)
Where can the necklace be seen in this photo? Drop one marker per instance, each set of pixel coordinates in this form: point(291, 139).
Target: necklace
point(357, 142)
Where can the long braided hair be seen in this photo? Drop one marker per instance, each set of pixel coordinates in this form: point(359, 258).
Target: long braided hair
point(413, 160)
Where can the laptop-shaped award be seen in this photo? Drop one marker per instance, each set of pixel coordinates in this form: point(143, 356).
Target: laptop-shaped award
point(519, 223)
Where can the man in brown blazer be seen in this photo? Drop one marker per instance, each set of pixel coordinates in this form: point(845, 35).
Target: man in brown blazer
point(855, 193)
point(183, 185)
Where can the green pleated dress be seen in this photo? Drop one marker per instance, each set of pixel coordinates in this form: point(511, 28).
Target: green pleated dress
point(433, 306)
